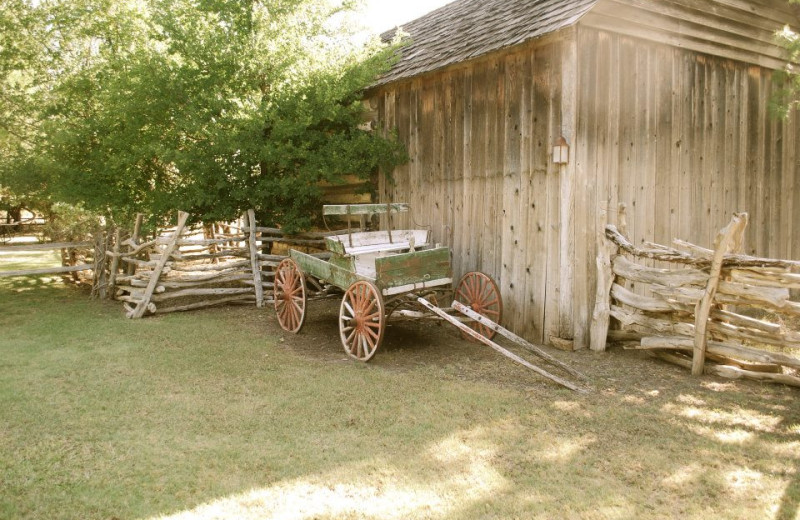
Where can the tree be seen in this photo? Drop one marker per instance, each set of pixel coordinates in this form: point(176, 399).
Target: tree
point(209, 106)
point(787, 97)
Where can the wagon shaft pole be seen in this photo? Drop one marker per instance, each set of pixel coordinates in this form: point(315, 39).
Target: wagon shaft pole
point(483, 320)
point(467, 330)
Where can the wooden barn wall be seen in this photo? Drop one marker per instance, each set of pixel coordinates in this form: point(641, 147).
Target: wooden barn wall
point(479, 139)
point(684, 139)
point(743, 30)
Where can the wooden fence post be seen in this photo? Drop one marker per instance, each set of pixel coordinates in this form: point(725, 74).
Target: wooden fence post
point(112, 278)
point(601, 316)
point(99, 279)
point(727, 240)
point(141, 307)
point(254, 261)
point(137, 229)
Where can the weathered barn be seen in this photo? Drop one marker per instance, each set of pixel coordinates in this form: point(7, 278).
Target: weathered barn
point(663, 103)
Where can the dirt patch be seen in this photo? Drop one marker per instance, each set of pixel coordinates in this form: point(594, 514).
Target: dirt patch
point(411, 345)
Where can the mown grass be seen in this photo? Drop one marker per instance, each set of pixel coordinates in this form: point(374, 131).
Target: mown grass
point(208, 415)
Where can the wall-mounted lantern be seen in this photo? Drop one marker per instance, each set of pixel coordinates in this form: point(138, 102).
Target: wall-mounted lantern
point(561, 151)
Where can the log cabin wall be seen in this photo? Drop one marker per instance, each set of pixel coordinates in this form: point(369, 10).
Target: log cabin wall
point(479, 138)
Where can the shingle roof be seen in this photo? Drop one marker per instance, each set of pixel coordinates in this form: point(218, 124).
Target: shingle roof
point(466, 29)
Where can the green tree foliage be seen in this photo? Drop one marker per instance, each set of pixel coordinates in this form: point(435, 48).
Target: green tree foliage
point(787, 97)
point(209, 106)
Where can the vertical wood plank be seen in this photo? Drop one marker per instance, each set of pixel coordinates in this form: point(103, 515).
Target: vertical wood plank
point(492, 234)
point(552, 319)
point(662, 165)
point(467, 174)
point(510, 210)
point(478, 165)
point(457, 172)
point(522, 269)
point(437, 203)
point(536, 256)
point(577, 179)
point(674, 185)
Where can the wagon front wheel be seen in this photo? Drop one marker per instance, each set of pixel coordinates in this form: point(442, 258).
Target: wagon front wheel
point(478, 291)
point(362, 320)
point(290, 296)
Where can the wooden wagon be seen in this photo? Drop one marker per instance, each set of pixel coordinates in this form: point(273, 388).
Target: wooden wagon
point(380, 273)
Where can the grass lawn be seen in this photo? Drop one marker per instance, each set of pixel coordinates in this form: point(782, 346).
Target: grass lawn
point(217, 414)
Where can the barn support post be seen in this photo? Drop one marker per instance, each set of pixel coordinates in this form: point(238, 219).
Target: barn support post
point(254, 261)
point(573, 326)
point(728, 240)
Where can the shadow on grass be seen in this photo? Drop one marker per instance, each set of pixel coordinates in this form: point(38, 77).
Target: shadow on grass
point(790, 501)
point(27, 283)
point(634, 456)
point(202, 415)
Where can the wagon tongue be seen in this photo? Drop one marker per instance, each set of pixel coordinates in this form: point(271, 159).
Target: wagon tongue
point(508, 334)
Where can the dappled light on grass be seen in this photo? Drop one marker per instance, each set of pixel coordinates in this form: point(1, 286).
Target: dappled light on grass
point(683, 476)
point(719, 387)
point(742, 417)
point(376, 489)
point(745, 480)
point(19, 260)
point(733, 436)
point(565, 449)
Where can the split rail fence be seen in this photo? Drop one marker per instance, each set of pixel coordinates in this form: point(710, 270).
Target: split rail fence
point(70, 259)
point(184, 269)
point(712, 311)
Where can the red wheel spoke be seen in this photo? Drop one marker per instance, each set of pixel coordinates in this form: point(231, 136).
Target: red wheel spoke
point(349, 309)
point(486, 291)
point(298, 307)
point(495, 301)
point(372, 333)
point(471, 288)
point(367, 344)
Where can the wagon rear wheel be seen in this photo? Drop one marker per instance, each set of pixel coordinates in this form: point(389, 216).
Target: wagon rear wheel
point(479, 292)
point(362, 320)
point(290, 296)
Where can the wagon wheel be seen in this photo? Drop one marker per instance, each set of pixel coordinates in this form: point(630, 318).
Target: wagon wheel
point(290, 296)
point(479, 292)
point(362, 320)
